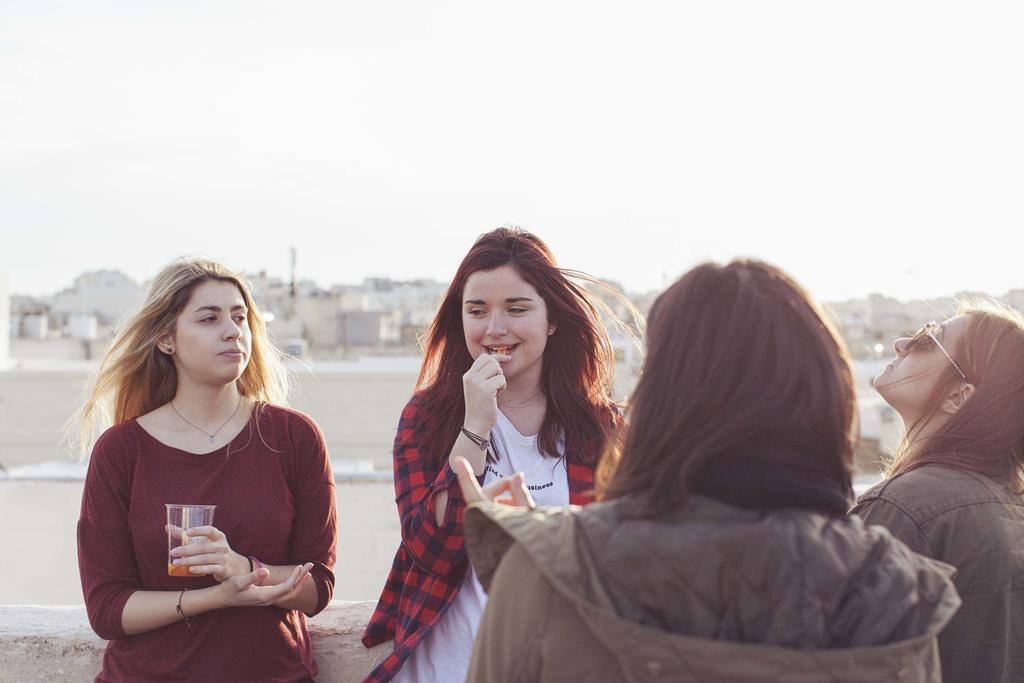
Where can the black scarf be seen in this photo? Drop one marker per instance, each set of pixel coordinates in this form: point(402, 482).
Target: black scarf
point(775, 477)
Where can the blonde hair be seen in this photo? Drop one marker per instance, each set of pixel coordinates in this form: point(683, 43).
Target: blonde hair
point(135, 377)
point(987, 435)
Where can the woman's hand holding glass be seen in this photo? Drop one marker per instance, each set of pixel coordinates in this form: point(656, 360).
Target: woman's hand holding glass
point(210, 556)
point(213, 556)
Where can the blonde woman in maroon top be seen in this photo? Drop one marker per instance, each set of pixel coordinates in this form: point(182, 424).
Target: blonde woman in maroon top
point(193, 388)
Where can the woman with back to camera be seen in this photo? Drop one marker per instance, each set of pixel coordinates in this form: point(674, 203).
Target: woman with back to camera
point(954, 488)
point(516, 378)
point(721, 550)
point(195, 391)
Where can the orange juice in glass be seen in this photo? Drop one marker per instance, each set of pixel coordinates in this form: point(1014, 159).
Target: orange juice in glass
point(181, 518)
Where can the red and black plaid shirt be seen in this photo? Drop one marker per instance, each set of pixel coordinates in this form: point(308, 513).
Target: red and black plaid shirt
point(431, 563)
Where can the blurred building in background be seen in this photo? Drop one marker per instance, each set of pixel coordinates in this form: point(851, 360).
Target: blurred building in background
point(5, 324)
point(346, 335)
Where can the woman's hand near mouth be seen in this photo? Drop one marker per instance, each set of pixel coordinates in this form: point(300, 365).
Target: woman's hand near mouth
point(480, 385)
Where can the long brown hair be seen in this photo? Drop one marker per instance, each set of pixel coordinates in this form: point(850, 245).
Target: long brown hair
point(135, 377)
point(737, 356)
point(579, 362)
point(986, 435)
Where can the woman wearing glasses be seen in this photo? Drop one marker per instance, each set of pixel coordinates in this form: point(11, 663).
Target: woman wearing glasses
point(954, 487)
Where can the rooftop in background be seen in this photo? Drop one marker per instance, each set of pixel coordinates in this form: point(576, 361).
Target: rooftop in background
point(75, 470)
point(362, 365)
point(379, 316)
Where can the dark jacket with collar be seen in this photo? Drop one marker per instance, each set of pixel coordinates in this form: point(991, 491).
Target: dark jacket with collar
point(710, 592)
point(977, 526)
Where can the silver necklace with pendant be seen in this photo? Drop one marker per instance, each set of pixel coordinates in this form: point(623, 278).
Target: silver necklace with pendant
point(210, 437)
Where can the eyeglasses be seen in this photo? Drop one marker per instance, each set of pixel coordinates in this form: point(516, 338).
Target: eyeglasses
point(925, 337)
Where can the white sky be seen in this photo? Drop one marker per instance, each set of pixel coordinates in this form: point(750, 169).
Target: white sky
point(868, 146)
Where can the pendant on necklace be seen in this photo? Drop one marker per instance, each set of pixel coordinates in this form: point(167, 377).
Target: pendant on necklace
point(211, 439)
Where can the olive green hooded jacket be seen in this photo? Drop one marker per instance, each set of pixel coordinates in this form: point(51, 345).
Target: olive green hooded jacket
point(710, 592)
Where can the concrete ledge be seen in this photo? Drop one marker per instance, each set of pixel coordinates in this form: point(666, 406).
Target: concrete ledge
point(57, 644)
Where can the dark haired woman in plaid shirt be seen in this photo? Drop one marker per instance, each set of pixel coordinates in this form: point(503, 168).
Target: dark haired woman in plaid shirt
point(517, 348)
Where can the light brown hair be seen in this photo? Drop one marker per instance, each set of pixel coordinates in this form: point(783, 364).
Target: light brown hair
point(987, 435)
point(737, 356)
point(135, 377)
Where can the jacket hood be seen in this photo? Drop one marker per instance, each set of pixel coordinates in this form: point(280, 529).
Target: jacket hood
point(717, 584)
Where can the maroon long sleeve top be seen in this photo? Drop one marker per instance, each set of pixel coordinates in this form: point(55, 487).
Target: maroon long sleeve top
point(274, 493)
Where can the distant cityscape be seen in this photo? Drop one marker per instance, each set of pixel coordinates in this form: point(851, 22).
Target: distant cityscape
point(360, 343)
point(381, 316)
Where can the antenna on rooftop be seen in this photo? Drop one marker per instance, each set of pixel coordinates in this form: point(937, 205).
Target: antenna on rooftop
point(292, 271)
point(293, 287)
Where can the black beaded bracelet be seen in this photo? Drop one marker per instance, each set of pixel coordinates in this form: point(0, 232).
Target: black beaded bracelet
point(188, 620)
point(481, 443)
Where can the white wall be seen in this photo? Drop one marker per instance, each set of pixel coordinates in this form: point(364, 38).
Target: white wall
point(356, 404)
point(5, 323)
point(56, 644)
point(39, 563)
point(357, 408)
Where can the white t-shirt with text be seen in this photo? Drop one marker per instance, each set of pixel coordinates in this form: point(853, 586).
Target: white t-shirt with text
point(445, 653)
